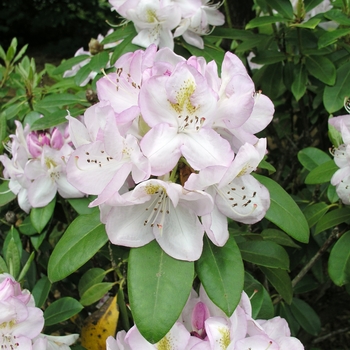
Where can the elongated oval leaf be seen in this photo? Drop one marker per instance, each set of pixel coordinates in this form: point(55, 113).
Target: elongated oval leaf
point(315, 212)
point(279, 237)
point(59, 100)
point(322, 173)
point(283, 7)
point(281, 281)
point(66, 65)
point(330, 37)
point(262, 21)
point(82, 239)
point(221, 272)
point(159, 287)
point(339, 261)
point(284, 212)
point(6, 195)
point(306, 316)
point(299, 83)
point(39, 217)
point(333, 218)
point(321, 68)
point(41, 291)
point(95, 293)
point(264, 253)
point(61, 310)
point(333, 96)
point(99, 61)
point(311, 157)
point(89, 278)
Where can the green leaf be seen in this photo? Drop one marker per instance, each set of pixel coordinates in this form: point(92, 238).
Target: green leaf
point(89, 278)
point(50, 120)
point(3, 266)
point(120, 33)
point(121, 48)
point(315, 212)
point(27, 228)
point(82, 74)
point(6, 195)
point(264, 253)
point(41, 216)
point(339, 261)
point(330, 37)
point(11, 50)
point(221, 272)
point(333, 218)
point(82, 239)
point(150, 289)
point(310, 4)
point(283, 7)
point(321, 68)
point(284, 212)
point(322, 173)
point(61, 310)
point(12, 257)
point(96, 292)
point(81, 205)
point(310, 24)
point(99, 61)
point(3, 131)
point(338, 16)
point(262, 21)
point(333, 96)
point(59, 100)
point(281, 282)
point(268, 57)
point(41, 291)
point(68, 64)
point(299, 82)
point(254, 289)
point(20, 53)
point(278, 237)
point(12, 234)
point(306, 316)
point(311, 157)
point(36, 240)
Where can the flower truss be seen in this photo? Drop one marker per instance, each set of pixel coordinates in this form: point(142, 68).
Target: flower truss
point(169, 150)
point(341, 178)
point(21, 322)
point(95, 47)
point(155, 20)
point(37, 169)
point(203, 326)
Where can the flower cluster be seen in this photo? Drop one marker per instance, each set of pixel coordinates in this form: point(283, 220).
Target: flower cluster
point(168, 142)
point(21, 322)
point(341, 178)
point(37, 169)
point(159, 21)
point(203, 326)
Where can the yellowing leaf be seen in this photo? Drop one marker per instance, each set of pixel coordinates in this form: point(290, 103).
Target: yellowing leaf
point(100, 325)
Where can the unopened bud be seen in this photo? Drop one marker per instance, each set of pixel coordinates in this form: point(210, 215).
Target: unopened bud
point(95, 47)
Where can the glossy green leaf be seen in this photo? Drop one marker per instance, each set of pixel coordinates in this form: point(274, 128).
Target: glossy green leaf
point(41, 291)
point(332, 194)
point(158, 287)
point(3, 266)
point(330, 37)
point(333, 96)
point(299, 82)
point(82, 74)
point(254, 290)
point(81, 205)
point(262, 21)
point(36, 240)
point(82, 239)
point(283, 7)
point(96, 292)
point(61, 310)
point(268, 57)
point(278, 237)
point(310, 4)
point(332, 219)
point(41, 216)
point(321, 68)
point(311, 157)
point(264, 253)
point(50, 120)
point(322, 173)
point(120, 48)
point(285, 312)
point(310, 24)
point(68, 64)
point(27, 228)
point(221, 272)
point(120, 33)
point(315, 212)
point(6, 195)
point(13, 260)
point(284, 212)
point(306, 316)
point(12, 234)
point(89, 278)
point(339, 261)
point(99, 61)
point(58, 100)
point(338, 16)
point(281, 282)
point(3, 131)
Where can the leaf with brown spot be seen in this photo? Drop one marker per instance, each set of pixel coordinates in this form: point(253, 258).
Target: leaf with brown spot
point(100, 325)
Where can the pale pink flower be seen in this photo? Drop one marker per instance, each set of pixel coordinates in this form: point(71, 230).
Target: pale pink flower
point(49, 342)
